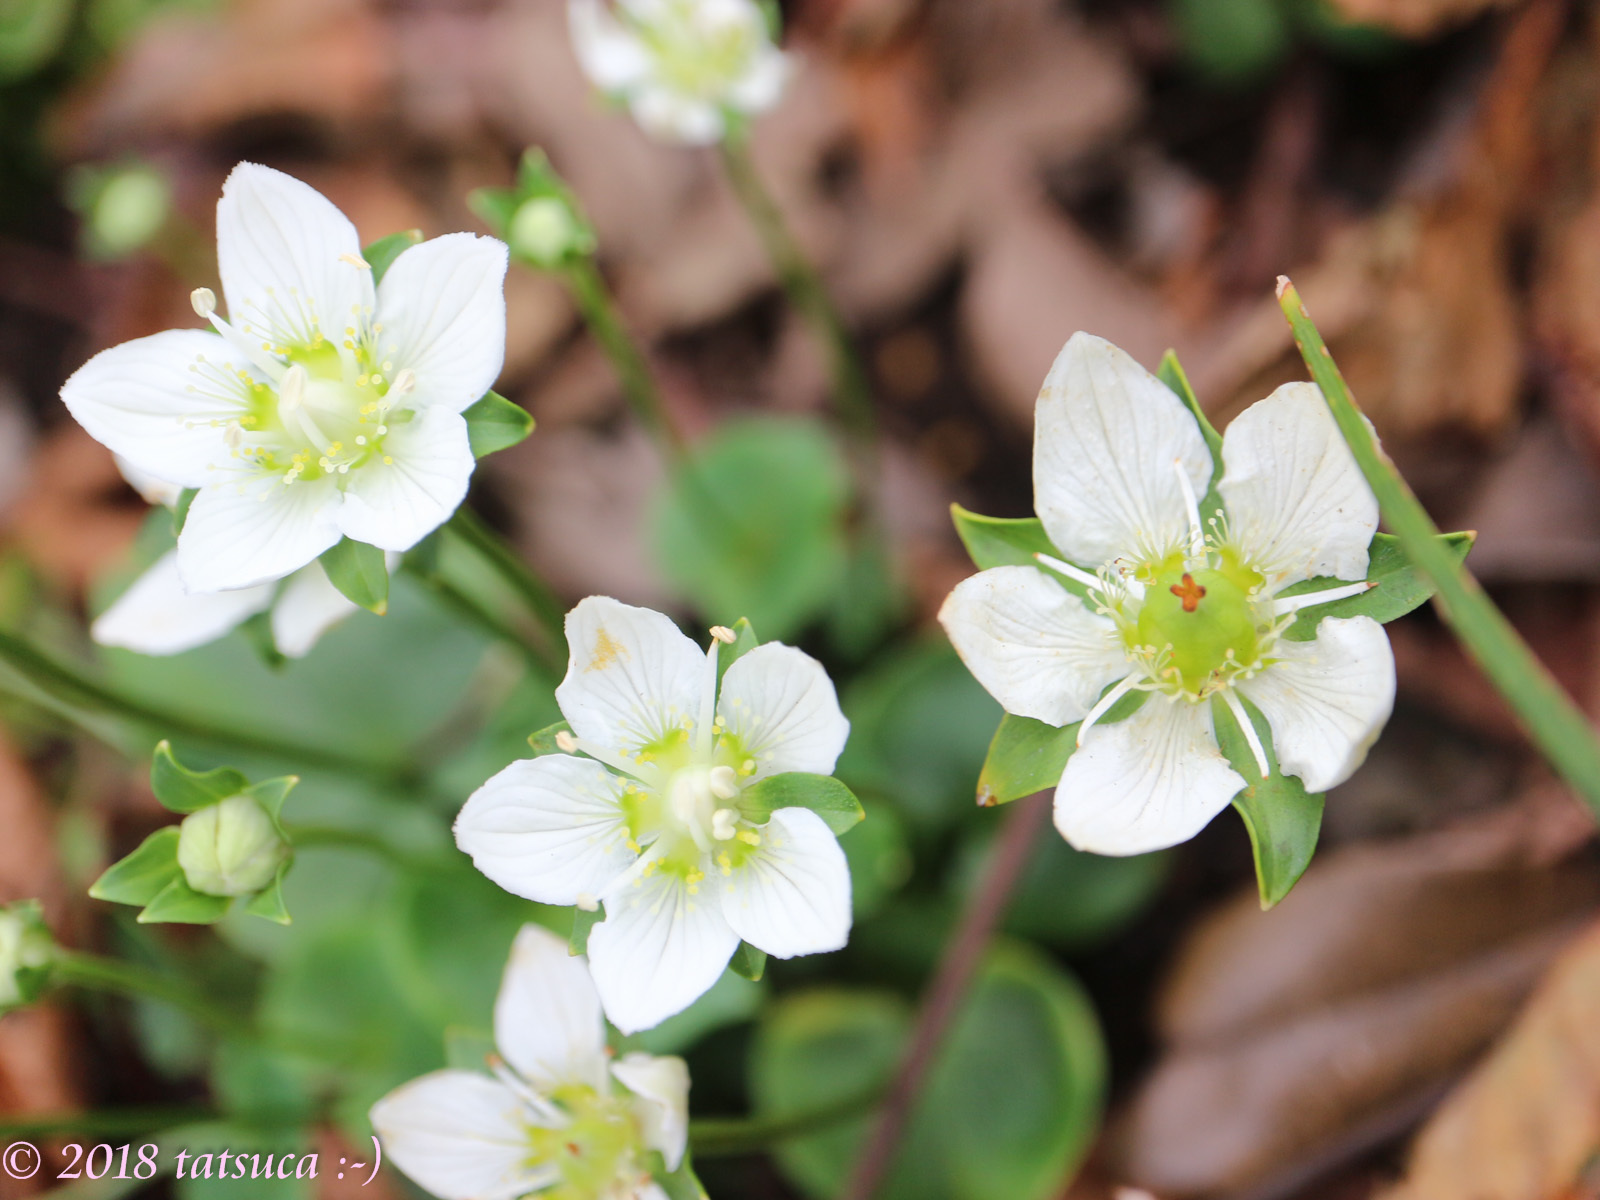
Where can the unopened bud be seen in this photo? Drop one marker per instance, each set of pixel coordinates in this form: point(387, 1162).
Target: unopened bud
point(231, 848)
point(26, 951)
point(545, 231)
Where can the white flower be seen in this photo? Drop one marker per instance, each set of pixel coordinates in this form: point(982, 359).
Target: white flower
point(664, 837)
point(325, 407)
point(1191, 617)
point(557, 1116)
point(688, 69)
point(158, 615)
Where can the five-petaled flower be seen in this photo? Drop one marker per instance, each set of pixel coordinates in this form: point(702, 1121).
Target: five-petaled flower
point(689, 70)
point(325, 406)
point(558, 1117)
point(1185, 617)
point(655, 821)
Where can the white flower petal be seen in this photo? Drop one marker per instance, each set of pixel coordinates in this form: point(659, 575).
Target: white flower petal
point(1145, 783)
point(662, 1086)
point(151, 490)
point(549, 829)
point(611, 56)
point(671, 116)
point(791, 896)
point(1327, 699)
point(287, 259)
point(395, 502)
point(1033, 645)
point(239, 535)
point(780, 701)
point(547, 1021)
point(460, 1136)
point(632, 677)
point(762, 85)
point(309, 606)
point(136, 399)
point(442, 306)
point(157, 616)
point(1297, 504)
point(1107, 433)
point(658, 950)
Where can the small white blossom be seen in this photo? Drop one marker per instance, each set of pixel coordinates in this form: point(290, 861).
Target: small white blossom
point(323, 407)
point(558, 1117)
point(1190, 616)
point(687, 69)
point(662, 837)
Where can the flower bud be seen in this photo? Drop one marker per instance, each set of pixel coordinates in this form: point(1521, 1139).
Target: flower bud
point(231, 848)
point(546, 231)
point(26, 949)
point(123, 208)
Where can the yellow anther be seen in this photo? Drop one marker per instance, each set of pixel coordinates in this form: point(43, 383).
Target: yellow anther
point(750, 837)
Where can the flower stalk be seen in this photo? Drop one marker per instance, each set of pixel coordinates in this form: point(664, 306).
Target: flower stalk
point(1557, 726)
point(130, 979)
point(724, 1137)
point(472, 532)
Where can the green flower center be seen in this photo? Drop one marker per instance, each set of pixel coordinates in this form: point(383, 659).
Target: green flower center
point(1200, 625)
point(596, 1152)
point(696, 57)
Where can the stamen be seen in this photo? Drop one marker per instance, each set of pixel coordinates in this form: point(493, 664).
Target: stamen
point(1105, 703)
point(1249, 729)
point(1076, 574)
point(724, 783)
point(632, 767)
point(404, 384)
point(355, 260)
point(587, 902)
point(204, 302)
point(1289, 604)
point(703, 731)
point(1197, 533)
point(723, 824)
point(292, 391)
point(724, 635)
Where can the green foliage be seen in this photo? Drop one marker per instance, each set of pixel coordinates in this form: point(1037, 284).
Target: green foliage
point(744, 641)
point(181, 790)
point(360, 573)
point(380, 255)
point(1028, 756)
point(494, 423)
point(143, 875)
point(748, 962)
point(824, 795)
point(1003, 541)
point(31, 32)
point(752, 524)
point(1282, 817)
point(1009, 1108)
point(1400, 588)
point(1238, 42)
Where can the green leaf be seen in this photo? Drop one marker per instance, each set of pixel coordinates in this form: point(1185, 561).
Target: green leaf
point(1232, 41)
point(380, 255)
point(583, 920)
point(822, 794)
point(271, 793)
point(1010, 1105)
point(360, 573)
point(141, 876)
point(749, 962)
point(1401, 587)
point(268, 902)
point(181, 790)
point(543, 741)
point(180, 904)
point(754, 524)
point(180, 511)
point(744, 641)
point(1028, 756)
point(1005, 541)
point(682, 1184)
point(1170, 372)
point(1283, 819)
point(495, 423)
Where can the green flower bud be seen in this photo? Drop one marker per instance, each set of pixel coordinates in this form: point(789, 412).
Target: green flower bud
point(26, 951)
point(231, 848)
point(546, 231)
point(123, 208)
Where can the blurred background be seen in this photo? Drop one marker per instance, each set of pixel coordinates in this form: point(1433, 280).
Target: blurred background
point(975, 179)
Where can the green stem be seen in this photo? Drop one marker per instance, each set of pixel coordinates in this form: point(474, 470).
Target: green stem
point(76, 693)
point(542, 603)
point(305, 836)
point(539, 657)
point(1558, 727)
point(720, 1137)
point(852, 392)
point(600, 313)
point(106, 1122)
point(131, 979)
